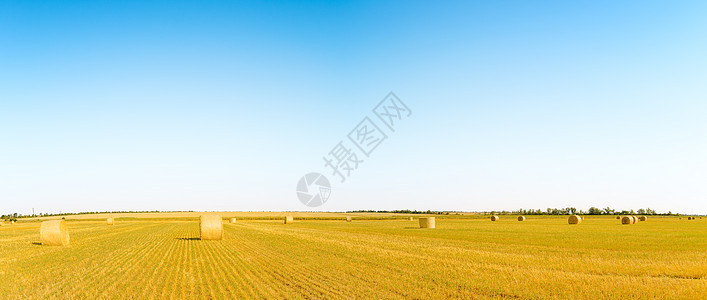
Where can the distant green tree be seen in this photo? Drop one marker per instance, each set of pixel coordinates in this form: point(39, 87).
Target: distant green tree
point(594, 211)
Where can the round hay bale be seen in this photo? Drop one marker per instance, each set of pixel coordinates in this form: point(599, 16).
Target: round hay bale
point(427, 222)
point(635, 219)
point(643, 218)
point(626, 220)
point(494, 218)
point(211, 227)
point(232, 220)
point(348, 219)
point(574, 219)
point(521, 218)
point(12, 222)
point(411, 219)
point(109, 221)
point(289, 220)
point(54, 233)
point(618, 217)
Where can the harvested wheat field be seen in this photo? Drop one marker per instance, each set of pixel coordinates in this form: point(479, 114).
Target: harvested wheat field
point(468, 257)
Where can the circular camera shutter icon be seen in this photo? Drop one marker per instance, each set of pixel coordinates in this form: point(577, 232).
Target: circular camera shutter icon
point(313, 189)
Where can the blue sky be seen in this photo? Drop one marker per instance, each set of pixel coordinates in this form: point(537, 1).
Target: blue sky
point(151, 105)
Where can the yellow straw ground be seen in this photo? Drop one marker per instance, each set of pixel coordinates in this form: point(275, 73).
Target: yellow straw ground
point(543, 257)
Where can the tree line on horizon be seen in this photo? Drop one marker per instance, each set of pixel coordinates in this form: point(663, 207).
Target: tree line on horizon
point(590, 211)
point(15, 216)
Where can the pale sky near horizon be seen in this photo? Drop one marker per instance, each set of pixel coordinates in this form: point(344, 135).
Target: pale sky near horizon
point(162, 105)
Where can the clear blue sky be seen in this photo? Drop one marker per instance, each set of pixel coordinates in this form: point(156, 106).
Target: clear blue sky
point(175, 105)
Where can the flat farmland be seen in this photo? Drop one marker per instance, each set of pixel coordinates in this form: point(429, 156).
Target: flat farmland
point(466, 257)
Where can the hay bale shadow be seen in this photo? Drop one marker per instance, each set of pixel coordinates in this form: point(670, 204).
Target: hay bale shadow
point(189, 239)
point(36, 243)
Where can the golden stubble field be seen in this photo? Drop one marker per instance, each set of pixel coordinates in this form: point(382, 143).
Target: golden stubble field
point(468, 257)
